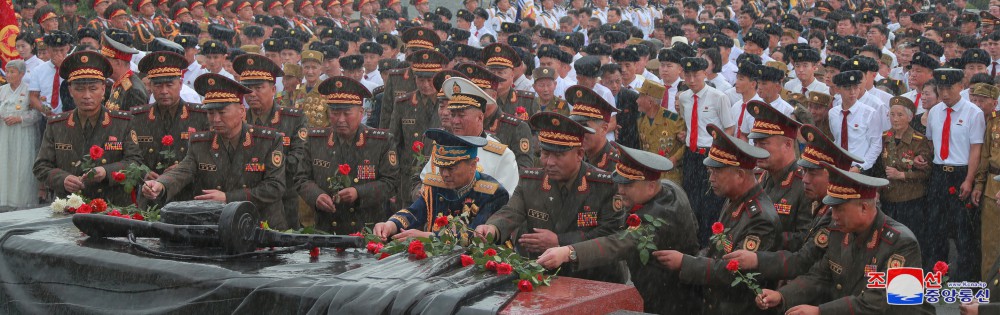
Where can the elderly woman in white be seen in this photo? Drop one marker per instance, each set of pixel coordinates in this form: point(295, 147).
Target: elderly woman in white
point(19, 138)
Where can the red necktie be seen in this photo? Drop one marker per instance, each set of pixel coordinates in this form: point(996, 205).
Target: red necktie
point(804, 91)
point(693, 134)
point(843, 129)
point(665, 103)
point(946, 134)
point(55, 90)
point(916, 101)
point(739, 122)
point(993, 73)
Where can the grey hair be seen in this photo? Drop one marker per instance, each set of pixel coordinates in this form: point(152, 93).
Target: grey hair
point(18, 65)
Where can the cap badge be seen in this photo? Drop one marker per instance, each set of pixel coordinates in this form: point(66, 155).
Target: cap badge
point(497, 49)
point(339, 84)
point(84, 59)
point(545, 71)
point(426, 56)
point(456, 89)
point(162, 58)
point(211, 81)
point(250, 61)
point(469, 70)
point(579, 93)
point(555, 122)
point(810, 136)
point(420, 33)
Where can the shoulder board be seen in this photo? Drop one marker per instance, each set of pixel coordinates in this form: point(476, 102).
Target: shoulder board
point(670, 115)
point(126, 84)
point(376, 133)
point(525, 94)
point(753, 207)
point(290, 111)
point(889, 233)
point(196, 108)
point(120, 114)
point(265, 133)
point(510, 119)
point(379, 89)
point(532, 173)
point(918, 136)
point(61, 117)
point(404, 97)
point(486, 186)
point(434, 180)
point(141, 109)
point(201, 136)
point(398, 71)
point(495, 147)
point(597, 175)
point(319, 132)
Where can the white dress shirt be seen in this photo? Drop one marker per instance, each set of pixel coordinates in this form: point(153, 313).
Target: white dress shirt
point(882, 108)
point(636, 82)
point(968, 126)
point(864, 132)
point(374, 77)
point(502, 167)
point(650, 76)
point(42, 77)
point(713, 108)
point(672, 96)
point(739, 108)
point(719, 83)
point(795, 86)
point(187, 94)
point(778, 103)
point(729, 71)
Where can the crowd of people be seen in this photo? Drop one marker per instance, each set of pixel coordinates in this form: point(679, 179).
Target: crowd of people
point(812, 142)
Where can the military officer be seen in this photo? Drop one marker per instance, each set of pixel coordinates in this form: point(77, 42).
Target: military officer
point(782, 178)
point(660, 131)
point(399, 81)
point(502, 59)
point(306, 97)
point(805, 251)
point(862, 239)
point(903, 199)
point(819, 107)
point(564, 202)
point(415, 112)
point(458, 191)
point(545, 84)
point(369, 153)
point(505, 127)
point(592, 111)
point(748, 216)
point(128, 90)
point(989, 167)
point(258, 73)
point(992, 280)
point(375, 112)
point(168, 117)
point(233, 162)
point(70, 21)
point(75, 135)
point(641, 190)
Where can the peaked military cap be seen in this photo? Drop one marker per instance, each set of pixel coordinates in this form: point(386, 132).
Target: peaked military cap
point(462, 94)
point(499, 55)
point(728, 151)
point(85, 66)
point(481, 76)
point(588, 105)
point(163, 66)
point(819, 98)
point(342, 92)
point(903, 101)
point(652, 89)
point(947, 76)
point(543, 73)
point(219, 91)
point(439, 79)
point(821, 149)
point(253, 69)
point(427, 62)
point(588, 66)
point(848, 78)
point(420, 38)
point(845, 186)
point(112, 49)
point(768, 121)
point(450, 148)
point(639, 165)
point(558, 133)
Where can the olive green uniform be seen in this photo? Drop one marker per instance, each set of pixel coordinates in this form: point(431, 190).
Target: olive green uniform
point(398, 82)
point(67, 139)
point(126, 93)
point(414, 113)
point(513, 132)
point(250, 169)
point(787, 192)
point(989, 167)
point(510, 101)
point(577, 210)
point(371, 154)
point(788, 264)
point(992, 280)
point(900, 154)
point(151, 123)
point(606, 159)
point(659, 134)
point(291, 123)
point(556, 105)
point(311, 103)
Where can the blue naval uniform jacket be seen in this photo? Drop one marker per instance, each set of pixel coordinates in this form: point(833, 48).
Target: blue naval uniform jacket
point(484, 198)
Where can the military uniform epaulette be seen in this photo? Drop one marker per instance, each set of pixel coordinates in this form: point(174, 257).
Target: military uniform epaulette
point(404, 97)
point(399, 71)
point(319, 132)
point(495, 147)
point(61, 117)
point(890, 234)
point(596, 175)
point(486, 186)
point(918, 136)
point(525, 94)
point(753, 206)
point(376, 133)
point(532, 173)
point(201, 136)
point(264, 132)
point(141, 109)
point(434, 180)
point(291, 111)
point(379, 89)
point(510, 119)
point(120, 114)
point(196, 107)
point(671, 115)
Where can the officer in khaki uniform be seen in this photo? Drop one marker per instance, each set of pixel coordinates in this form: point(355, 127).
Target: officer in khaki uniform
point(399, 81)
point(642, 191)
point(306, 97)
point(862, 239)
point(660, 130)
point(782, 177)
point(503, 126)
point(375, 112)
point(70, 135)
point(903, 199)
point(502, 59)
point(555, 104)
point(128, 90)
point(989, 167)
point(592, 111)
point(568, 205)
point(369, 152)
point(750, 221)
point(821, 102)
point(168, 116)
point(233, 162)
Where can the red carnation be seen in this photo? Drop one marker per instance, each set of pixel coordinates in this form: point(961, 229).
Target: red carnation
point(951, 190)
point(504, 269)
point(167, 140)
point(525, 286)
point(415, 247)
point(344, 169)
point(633, 220)
point(467, 260)
point(383, 256)
point(114, 213)
point(419, 256)
point(490, 252)
point(314, 252)
point(417, 146)
point(358, 234)
point(99, 204)
point(138, 216)
point(374, 247)
point(96, 152)
point(718, 228)
point(941, 267)
point(85, 208)
point(491, 265)
point(520, 110)
point(662, 153)
point(733, 266)
point(70, 209)
point(440, 221)
point(118, 176)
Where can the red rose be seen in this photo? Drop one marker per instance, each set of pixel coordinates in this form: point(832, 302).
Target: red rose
point(415, 247)
point(118, 176)
point(374, 247)
point(114, 213)
point(85, 208)
point(314, 252)
point(969, 206)
point(138, 216)
point(419, 256)
point(70, 210)
point(440, 221)
point(167, 140)
point(467, 260)
point(383, 256)
point(358, 234)
point(635, 208)
point(99, 204)
point(733, 266)
point(662, 153)
point(491, 265)
point(951, 190)
point(718, 228)
point(417, 146)
point(490, 252)
point(520, 110)
point(344, 169)
point(525, 286)
point(941, 267)
point(96, 153)
point(633, 220)
point(889, 134)
point(504, 269)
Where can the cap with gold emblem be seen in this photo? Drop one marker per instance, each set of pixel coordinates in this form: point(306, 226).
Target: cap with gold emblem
point(255, 69)
point(500, 56)
point(312, 55)
point(57, 39)
point(691, 64)
point(558, 133)
point(806, 55)
point(292, 70)
point(343, 92)
point(510, 28)
point(352, 62)
point(439, 79)
point(482, 77)
point(819, 148)
point(768, 121)
point(819, 98)
point(588, 105)
point(462, 94)
point(728, 151)
point(652, 89)
point(847, 78)
point(770, 73)
point(846, 186)
point(213, 47)
point(588, 66)
point(219, 91)
point(947, 76)
point(450, 148)
point(985, 90)
point(420, 38)
point(543, 73)
point(903, 101)
point(426, 63)
point(163, 66)
point(639, 165)
point(85, 66)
